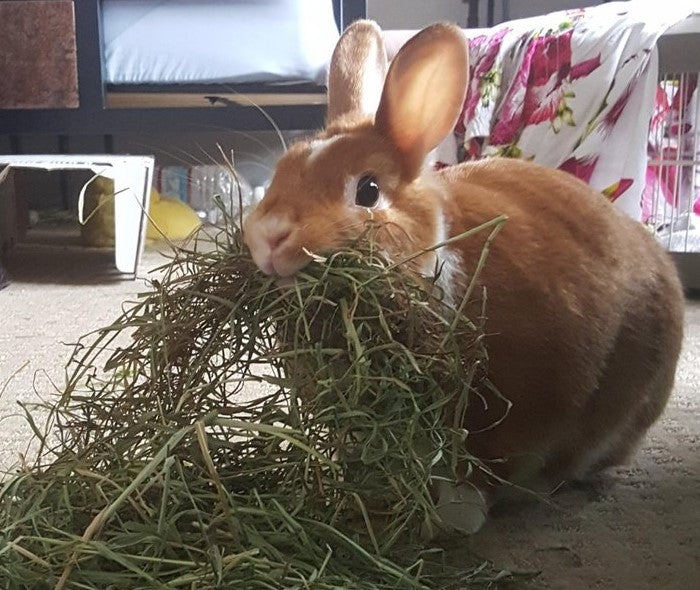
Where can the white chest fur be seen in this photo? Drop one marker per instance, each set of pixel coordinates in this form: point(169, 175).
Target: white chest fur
point(449, 263)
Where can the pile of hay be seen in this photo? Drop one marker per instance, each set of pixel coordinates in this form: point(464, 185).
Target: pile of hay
point(225, 432)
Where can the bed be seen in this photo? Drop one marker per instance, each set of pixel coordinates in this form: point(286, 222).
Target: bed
point(150, 65)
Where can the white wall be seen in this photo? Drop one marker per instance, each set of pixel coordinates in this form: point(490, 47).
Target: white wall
point(525, 8)
point(414, 14)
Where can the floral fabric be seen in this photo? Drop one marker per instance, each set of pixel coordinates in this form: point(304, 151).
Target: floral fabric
point(572, 90)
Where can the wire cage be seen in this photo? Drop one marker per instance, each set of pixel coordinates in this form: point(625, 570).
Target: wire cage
point(671, 199)
point(671, 205)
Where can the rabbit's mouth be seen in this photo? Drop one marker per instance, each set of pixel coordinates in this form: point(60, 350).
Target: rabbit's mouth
point(285, 266)
point(274, 249)
point(280, 260)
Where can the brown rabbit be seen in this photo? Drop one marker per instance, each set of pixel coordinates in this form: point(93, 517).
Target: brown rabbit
point(584, 309)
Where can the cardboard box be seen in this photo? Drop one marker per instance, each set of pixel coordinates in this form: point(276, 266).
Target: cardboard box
point(132, 176)
point(9, 219)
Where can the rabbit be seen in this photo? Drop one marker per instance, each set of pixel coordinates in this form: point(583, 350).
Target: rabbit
point(584, 310)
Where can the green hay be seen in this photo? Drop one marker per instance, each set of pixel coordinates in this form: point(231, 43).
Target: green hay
point(162, 472)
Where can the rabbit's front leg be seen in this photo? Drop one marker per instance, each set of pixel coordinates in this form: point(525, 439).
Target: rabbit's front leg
point(462, 507)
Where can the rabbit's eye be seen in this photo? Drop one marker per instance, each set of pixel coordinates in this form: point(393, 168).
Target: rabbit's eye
point(367, 193)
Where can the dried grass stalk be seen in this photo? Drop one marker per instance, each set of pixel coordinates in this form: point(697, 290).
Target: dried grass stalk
point(162, 471)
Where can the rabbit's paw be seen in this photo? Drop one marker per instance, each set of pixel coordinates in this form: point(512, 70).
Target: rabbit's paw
point(461, 508)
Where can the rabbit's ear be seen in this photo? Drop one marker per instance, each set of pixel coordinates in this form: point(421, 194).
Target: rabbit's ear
point(357, 71)
point(424, 93)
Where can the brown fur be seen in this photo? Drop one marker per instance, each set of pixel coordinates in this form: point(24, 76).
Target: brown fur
point(584, 308)
point(584, 315)
point(360, 44)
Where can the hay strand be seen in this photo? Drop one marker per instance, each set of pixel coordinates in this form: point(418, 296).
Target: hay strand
point(227, 432)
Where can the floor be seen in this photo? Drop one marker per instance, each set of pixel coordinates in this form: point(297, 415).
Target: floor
point(635, 527)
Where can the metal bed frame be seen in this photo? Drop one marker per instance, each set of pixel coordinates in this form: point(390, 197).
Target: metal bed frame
point(94, 116)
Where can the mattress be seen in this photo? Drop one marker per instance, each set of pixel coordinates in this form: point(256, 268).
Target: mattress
point(217, 41)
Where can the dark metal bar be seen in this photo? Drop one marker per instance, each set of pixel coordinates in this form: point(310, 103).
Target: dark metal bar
point(352, 10)
point(63, 148)
point(88, 39)
point(490, 13)
point(155, 120)
point(338, 13)
point(473, 16)
point(15, 144)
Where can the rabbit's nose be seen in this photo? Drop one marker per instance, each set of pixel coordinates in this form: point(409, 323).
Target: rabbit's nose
point(278, 237)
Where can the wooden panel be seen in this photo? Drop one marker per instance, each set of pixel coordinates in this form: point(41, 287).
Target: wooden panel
point(38, 67)
point(141, 100)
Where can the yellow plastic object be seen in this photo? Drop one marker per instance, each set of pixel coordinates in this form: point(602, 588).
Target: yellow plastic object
point(169, 217)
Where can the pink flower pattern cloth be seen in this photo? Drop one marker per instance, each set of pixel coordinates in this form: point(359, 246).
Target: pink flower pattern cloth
point(572, 90)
